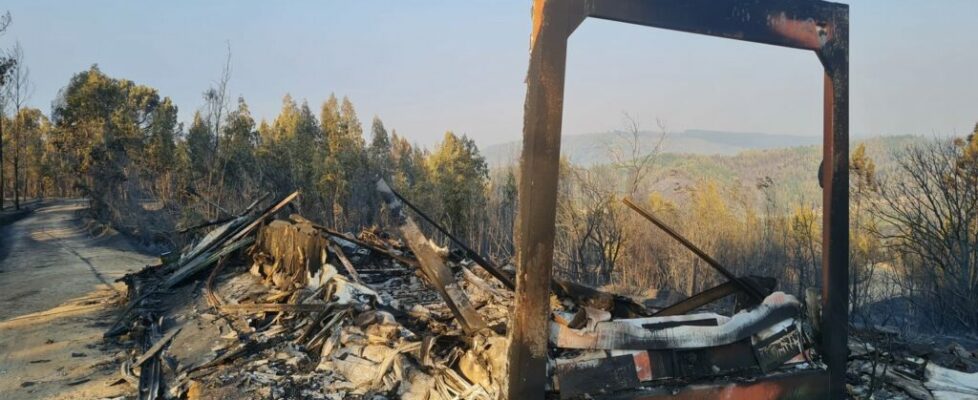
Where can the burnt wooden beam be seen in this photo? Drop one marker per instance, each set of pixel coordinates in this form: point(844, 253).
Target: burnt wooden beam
point(619, 306)
point(699, 300)
point(553, 22)
point(432, 265)
point(835, 203)
point(230, 240)
point(487, 265)
point(338, 235)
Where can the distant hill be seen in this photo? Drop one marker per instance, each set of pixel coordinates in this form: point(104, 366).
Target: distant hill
point(596, 148)
point(736, 160)
point(793, 170)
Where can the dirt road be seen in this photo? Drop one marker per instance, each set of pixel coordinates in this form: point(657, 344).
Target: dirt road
point(56, 298)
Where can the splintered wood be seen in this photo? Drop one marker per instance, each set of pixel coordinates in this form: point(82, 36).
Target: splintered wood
point(295, 309)
point(433, 266)
point(289, 254)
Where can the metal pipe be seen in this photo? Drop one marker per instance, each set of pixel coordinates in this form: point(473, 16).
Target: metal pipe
point(746, 286)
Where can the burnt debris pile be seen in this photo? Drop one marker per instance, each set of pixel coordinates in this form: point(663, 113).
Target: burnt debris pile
point(271, 305)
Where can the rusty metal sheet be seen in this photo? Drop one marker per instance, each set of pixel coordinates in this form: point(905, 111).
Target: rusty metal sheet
point(808, 384)
point(665, 367)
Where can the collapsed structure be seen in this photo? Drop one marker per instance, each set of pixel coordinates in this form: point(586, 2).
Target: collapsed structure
point(284, 307)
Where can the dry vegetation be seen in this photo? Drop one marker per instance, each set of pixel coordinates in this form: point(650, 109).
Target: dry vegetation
point(914, 255)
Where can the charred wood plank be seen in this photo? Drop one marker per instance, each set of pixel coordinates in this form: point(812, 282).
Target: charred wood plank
point(202, 261)
point(155, 349)
point(493, 269)
point(699, 300)
point(254, 308)
point(224, 244)
point(619, 306)
point(432, 265)
point(338, 235)
point(346, 262)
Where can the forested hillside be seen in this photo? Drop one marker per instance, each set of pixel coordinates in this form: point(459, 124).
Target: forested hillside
point(120, 144)
point(598, 148)
point(791, 171)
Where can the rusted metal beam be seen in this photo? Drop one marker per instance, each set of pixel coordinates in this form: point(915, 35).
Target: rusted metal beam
point(800, 24)
point(553, 21)
point(835, 203)
point(808, 384)
point(747, 287)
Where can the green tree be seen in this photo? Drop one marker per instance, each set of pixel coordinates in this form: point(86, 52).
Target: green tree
point(6, 64)
point(379, 151)
point(28, 124)
point(459, 175)
point(200, 148)
point(239, 172)
point(345, 179)
point(409, 173)
point(102, 124)
point(161, 150)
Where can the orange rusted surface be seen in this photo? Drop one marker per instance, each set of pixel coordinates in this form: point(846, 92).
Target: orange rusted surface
point(643, 366)
point(537, 20)
point(803, 33)
point(794, 385)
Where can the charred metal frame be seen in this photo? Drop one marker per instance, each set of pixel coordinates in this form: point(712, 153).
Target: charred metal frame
point(815, 25)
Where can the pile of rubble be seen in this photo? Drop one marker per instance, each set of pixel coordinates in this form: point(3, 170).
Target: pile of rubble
point(284, 308)
point(885, 364)
point(271, 316)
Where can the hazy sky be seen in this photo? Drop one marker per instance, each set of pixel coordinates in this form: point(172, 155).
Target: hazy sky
point(429, 66)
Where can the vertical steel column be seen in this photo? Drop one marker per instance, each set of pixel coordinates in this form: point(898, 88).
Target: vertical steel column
point(835, 206)
point(543, 110)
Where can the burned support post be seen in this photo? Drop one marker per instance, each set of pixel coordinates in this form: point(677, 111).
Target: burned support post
point(835, 204)
point(553, 21)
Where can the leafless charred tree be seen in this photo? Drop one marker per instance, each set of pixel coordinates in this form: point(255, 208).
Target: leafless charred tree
point(929, 208)
point(630, 156)
point(18, 90)
point(595, 226)
point(216, 107)
point(6, 63)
